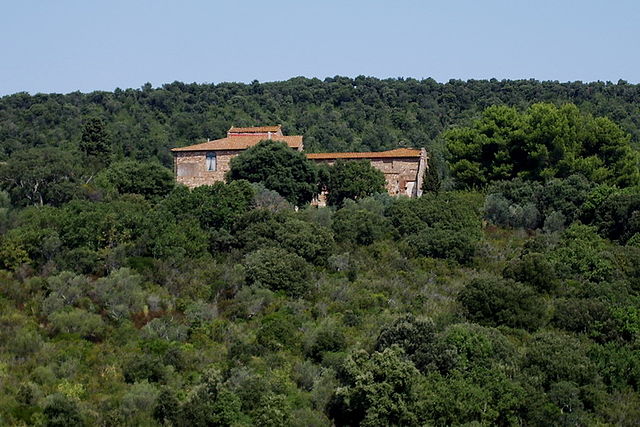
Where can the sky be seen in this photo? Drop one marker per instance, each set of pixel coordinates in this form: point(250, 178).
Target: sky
point(63, 46)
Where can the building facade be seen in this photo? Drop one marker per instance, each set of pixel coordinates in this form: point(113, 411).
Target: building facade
point(208, 162)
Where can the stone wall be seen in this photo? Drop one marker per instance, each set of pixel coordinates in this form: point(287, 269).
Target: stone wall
point(190, 167)
point(401, 174)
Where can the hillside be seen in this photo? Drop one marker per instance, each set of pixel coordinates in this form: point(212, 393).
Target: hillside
point(337, 114)
point(508, 294)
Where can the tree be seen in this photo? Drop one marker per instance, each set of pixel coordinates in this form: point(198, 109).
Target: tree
point(359, 226)
point(377, 389)
point(278, 168)
point(431, 183)
point(278, 270)
point(94, 142)
point(130, 176)
point(350, 179)
point(543, 142)
point(40, 176)
point(62, 411)
point(495, 301)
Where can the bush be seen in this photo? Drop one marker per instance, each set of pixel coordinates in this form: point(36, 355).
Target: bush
point(120, 293)
point(143, 366)
point(359, 226)
point(458, 245)
point(278, 332)
point(558, 356)
point(210, 403)
point(278, 270)
point(77, 321)
point(61, 411)
point(494, 301)
point(327, 339)
point(533, 269)
point(417, 337)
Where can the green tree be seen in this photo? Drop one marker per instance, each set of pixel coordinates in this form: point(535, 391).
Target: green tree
point(431, 182)
point(211, 404)
point(377, 389)
point(278, 168)
point(353, 179)
point(94, 142)
point(149, 179)
point(40, 176)
point(543, 142)
point(62, 411)
point(277, 269)
point(494, 301)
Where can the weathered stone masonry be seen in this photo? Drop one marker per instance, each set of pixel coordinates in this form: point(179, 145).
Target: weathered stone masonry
point(208, 162)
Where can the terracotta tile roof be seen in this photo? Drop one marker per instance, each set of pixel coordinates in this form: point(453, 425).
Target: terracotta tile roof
point(258, 129)
point(240, 143)
point(398, 152)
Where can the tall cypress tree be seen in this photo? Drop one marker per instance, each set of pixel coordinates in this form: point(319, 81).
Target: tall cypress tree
point(95, 139)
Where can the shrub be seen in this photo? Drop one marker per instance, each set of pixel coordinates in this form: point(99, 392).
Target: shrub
point(119, 293)
point(377, 389)
point(557, 356)
point(277, 332)
point(278, 270)
point(458, 245)
point(327, 339)
point(359, 226)
point(417, 337)
point(533, 269)
point(210, 403)
point(143, 366)
point(62, 411)
point(77, 321)
point(494, 301)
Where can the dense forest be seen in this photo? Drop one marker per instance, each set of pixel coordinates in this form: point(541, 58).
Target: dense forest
point(337, 114)
point(508, 294)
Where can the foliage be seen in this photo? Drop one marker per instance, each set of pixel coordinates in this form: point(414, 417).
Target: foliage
point(543, 142)
point(278, 270)
point(134, 177)
point(358, 225)
point(442, 243)
point(224, 305)
point(278, 168)
point(528, 204)
point(493, 301)
point(94, 142)
point(353, 180)
point(377, 389)
point(40, 176)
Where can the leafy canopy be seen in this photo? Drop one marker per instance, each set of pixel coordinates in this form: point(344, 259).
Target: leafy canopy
point(353, 180)
point(278, 168)
point(543, 142)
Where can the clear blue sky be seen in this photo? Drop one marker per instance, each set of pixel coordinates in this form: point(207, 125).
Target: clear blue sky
point(63, 45)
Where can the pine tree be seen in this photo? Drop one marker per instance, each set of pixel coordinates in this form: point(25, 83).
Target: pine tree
point(95, 140)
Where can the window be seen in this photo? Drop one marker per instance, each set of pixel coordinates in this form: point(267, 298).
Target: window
point(211, 162)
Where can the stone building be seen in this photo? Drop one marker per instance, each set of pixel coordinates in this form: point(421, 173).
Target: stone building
point(208, 162)
point(403, 168)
